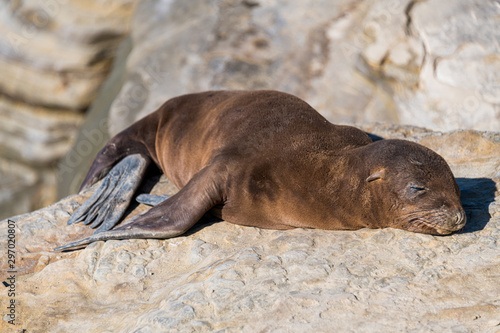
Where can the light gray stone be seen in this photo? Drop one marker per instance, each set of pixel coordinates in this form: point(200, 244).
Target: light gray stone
point(423, 63)
point(56, 53)
point(35, 135)
point(458, 86)
point(16, 185)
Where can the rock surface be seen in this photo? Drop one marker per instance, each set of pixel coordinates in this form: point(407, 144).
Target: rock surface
point(432, 64)
point(227, 278)
point(56, 53)
point(54, 56)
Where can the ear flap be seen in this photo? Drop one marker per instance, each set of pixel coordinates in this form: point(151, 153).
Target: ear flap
point(380, 174)
point(415, 162)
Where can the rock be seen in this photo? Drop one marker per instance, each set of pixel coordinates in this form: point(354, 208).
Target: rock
point(422, 63)
point(17, 185)
point(224, 277)
point(458, 85)
point(474, 69)
point(57, 54)
point(93, 133)
point(54, 55)
point(35, 135)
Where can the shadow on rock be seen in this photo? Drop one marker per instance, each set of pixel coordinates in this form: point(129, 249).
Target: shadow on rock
point(476, 196)
point(374, 137)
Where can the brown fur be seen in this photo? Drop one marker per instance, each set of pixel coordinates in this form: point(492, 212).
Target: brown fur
point(268, 159)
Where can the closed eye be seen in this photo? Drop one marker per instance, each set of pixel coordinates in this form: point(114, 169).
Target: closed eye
point(417, 188)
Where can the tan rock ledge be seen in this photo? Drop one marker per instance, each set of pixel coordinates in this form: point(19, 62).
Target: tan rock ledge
point(223, 277)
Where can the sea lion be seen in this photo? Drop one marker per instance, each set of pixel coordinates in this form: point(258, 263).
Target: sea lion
point(265, 159)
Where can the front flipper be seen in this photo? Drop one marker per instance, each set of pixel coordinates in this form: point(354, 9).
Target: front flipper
point(151, 199)
point(107, 205)
point(137, 227)
point(170, 218)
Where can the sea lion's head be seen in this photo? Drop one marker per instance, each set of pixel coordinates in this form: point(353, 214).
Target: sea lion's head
point(415, 187)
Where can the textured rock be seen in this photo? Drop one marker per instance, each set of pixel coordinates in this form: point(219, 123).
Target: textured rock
point(58, 52)
point(16, 185)
point(54, 55)
point(425, 63)
point(93, 133)
point(35, 135)
point(459, 82)
point(223, 277)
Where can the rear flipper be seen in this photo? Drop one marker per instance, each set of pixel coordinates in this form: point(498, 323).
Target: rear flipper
point(106, 206)
point(169, 218)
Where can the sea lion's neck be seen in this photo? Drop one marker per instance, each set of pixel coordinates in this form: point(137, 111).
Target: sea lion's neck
point(349, 189)
point(143, 136)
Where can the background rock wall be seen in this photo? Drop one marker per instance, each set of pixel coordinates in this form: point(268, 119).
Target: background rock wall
point(54, 55)
point(432, 64)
